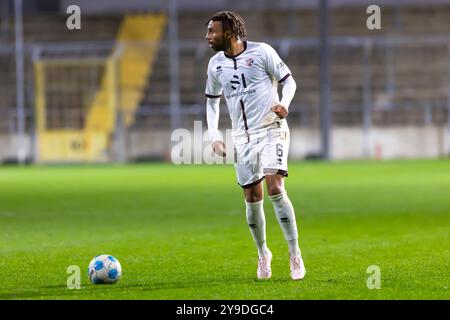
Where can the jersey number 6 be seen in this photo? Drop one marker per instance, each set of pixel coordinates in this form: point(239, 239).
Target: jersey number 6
point(279, 147)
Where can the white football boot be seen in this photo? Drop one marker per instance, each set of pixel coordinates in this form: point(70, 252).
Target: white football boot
point(297, 268)
point(264, 269)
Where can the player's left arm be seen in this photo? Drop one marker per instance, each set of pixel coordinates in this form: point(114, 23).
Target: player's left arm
point(287, 92)
point(276, 67)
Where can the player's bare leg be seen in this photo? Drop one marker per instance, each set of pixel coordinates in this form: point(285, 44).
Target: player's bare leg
point(286, 218)
point(257, 223)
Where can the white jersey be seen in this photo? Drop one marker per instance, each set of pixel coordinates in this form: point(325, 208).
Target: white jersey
point(249, 83)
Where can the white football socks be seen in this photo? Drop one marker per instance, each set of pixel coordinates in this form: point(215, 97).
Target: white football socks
point(286, 218)
point(257, 224)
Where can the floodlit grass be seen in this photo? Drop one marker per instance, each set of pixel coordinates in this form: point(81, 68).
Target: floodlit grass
point(180, 231)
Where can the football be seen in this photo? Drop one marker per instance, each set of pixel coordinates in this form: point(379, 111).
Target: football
point(104, 268)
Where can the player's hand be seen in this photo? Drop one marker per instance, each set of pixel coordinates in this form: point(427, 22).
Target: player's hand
point(219, 148)
point(280, 111)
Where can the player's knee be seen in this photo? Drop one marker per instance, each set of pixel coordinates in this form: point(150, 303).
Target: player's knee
point(275, 189)
point(253, 197)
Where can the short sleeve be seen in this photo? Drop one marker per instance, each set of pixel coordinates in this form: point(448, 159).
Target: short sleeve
point(274, 65)
point(213, 87)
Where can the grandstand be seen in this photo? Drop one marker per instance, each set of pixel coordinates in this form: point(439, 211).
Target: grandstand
point(113, 78)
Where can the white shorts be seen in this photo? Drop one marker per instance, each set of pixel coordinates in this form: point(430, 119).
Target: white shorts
point(262, 154)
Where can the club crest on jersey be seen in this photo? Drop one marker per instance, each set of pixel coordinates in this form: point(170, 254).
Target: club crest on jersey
point(249, 62)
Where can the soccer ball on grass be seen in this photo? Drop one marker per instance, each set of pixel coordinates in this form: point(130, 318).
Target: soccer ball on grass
point(104, 268)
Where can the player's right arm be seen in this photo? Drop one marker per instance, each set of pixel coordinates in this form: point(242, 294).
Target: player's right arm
point(212, 118)
point(213, 93)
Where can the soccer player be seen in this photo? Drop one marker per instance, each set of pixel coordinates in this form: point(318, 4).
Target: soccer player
point(247, 74)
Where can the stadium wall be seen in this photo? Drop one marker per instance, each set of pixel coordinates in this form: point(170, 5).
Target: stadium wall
point(9, 145)
point(348, 143)
point(389, 143)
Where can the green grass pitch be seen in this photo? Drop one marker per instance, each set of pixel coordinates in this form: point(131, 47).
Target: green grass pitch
point(180, 231)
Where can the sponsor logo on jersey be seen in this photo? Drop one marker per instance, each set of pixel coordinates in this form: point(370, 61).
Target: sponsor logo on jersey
point(239, 94)
point(235, 82)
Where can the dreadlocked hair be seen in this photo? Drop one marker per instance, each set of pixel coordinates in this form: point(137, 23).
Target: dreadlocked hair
point(231, 22)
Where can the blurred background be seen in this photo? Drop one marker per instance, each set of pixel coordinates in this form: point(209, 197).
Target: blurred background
point(114, 90)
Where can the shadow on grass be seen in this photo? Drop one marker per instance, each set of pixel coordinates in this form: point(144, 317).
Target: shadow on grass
point(61, 291)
